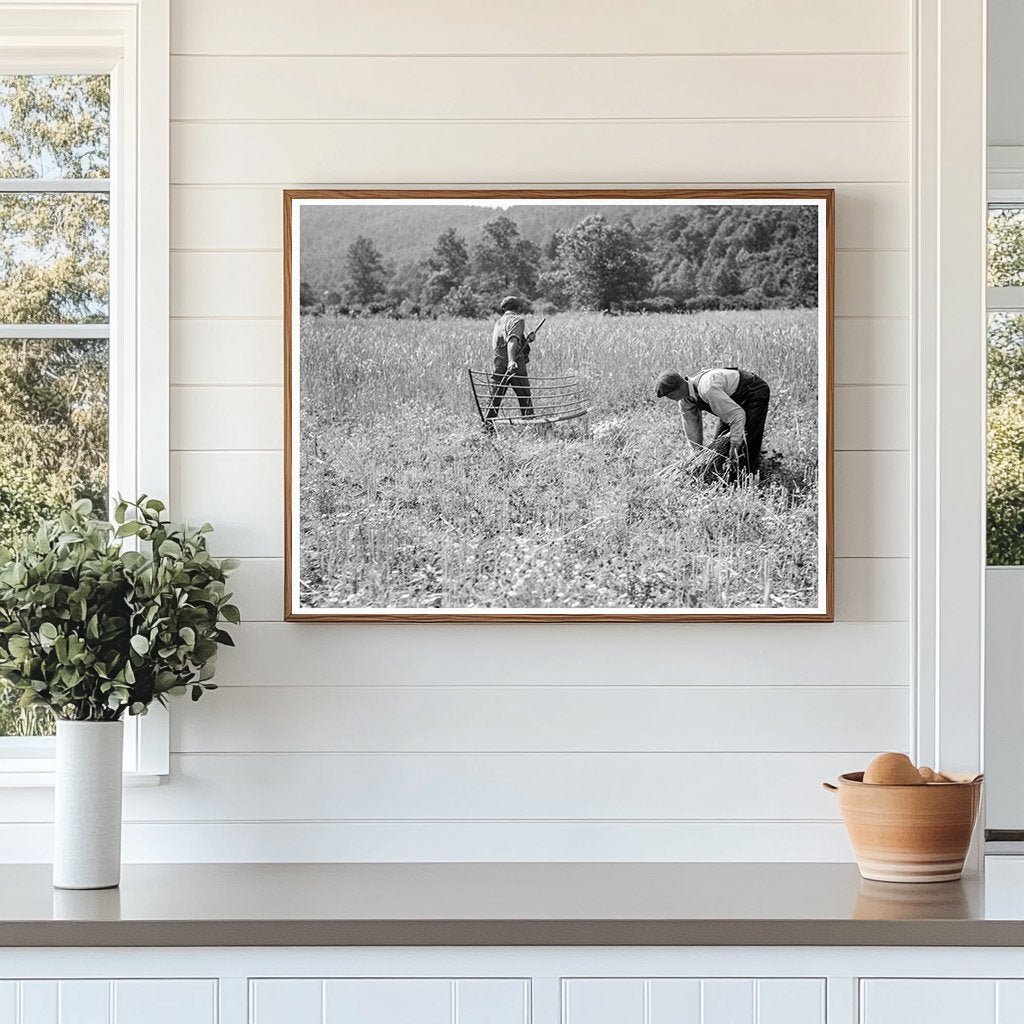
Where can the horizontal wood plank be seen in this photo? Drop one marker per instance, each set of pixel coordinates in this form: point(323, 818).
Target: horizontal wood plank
point(869, 350)
point(412, 787)
point(463, 654)
point(238, 418)
point(872, 504)
point(227, 352)
point(873, 589)
point(249, 284)
point(459, 842)
point(873, 283)
point(872, 418)
point(732, 152)
point(867, 589)
point(378, 88)
point(872, 350)
point(240, 719)
point(534, 26)
point(242, 494)
point(218, 217)
point(234, 418)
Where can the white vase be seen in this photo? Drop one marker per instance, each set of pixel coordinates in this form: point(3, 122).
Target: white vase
point(87, 806)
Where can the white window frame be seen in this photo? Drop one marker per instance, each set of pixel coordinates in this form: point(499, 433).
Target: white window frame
point(130, 41)
point(1004, 718)
point(949, 402)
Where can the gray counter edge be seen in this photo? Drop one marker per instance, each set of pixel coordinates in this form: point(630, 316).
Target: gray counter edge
point(510, 933)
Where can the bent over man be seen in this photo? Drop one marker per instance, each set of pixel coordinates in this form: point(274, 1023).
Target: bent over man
point(737, 397)
point(511, 345)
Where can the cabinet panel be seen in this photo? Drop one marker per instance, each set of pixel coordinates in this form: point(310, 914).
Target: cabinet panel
point(388, 1001)
point(790, 1001)
point(727, 1001)
point(165, 1002)
point(492, 1002)
point(674, 1001)
point(102, 1001)
point(8, 1002)
point(83, 1002)
point(286, 1001)
point(1010, 1002)
point(603, 1001)
point(693, 1001)
point(39, 1003)
point(929, 1001)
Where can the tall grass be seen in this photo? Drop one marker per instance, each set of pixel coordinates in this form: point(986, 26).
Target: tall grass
point(405, 503)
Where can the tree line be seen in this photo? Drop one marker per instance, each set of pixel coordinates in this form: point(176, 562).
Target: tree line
point(691, 258)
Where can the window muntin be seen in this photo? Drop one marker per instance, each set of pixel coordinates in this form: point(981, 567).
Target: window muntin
point(54, 307)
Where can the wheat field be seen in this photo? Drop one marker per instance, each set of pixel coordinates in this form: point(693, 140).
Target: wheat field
point(405, 503)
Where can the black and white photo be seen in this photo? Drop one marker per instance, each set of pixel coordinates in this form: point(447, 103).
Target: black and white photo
point(568, 405)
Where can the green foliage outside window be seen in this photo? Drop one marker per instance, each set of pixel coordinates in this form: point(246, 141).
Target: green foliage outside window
point(54, 269)
point(1005, 484)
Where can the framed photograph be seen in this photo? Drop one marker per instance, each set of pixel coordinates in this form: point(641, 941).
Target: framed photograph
point(575, 405)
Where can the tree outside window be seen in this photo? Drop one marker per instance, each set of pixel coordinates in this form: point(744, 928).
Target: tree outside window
point(54, 306)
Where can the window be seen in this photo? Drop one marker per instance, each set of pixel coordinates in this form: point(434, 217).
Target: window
point(1005, 498)
point(54, 308)
point(84, 124)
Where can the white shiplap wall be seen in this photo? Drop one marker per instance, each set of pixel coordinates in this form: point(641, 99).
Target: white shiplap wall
point(597, 742)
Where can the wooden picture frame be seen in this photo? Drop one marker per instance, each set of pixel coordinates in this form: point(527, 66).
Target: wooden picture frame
point(296, 201)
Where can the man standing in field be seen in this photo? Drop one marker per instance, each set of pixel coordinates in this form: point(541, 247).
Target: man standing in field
point(737, 397)
point(511, 347)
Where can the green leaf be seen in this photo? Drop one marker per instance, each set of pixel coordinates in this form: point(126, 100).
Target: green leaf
point(140, 644)
point(48, 631)
point(18, 646)
point(170, 549)
point(231, 613)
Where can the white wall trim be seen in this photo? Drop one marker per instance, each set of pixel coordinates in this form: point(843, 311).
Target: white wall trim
point(132, 40)
point(950, 378)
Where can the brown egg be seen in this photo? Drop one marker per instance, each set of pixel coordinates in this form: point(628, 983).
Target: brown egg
point(928, 774)
point(892, 770)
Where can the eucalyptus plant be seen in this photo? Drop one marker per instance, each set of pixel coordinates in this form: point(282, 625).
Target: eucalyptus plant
point(98, 619)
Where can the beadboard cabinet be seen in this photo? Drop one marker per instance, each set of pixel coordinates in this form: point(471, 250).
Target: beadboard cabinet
point(942, 1001)
point(512, 985)
point(108, 1001)
point(696, 1000)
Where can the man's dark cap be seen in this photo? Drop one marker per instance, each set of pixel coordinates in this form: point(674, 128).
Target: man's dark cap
point(667, 383)
point(511, 302)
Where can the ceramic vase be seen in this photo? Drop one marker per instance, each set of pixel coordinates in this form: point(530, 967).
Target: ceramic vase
point(87, 807)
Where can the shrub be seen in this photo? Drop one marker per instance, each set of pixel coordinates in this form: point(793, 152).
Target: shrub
point(90, 630)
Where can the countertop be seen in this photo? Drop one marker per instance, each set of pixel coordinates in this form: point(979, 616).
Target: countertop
point(592, 904)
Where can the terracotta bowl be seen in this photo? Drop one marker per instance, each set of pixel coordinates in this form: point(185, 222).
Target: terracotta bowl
point(909, 833)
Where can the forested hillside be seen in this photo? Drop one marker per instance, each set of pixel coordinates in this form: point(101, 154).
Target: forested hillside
point(460, 260)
